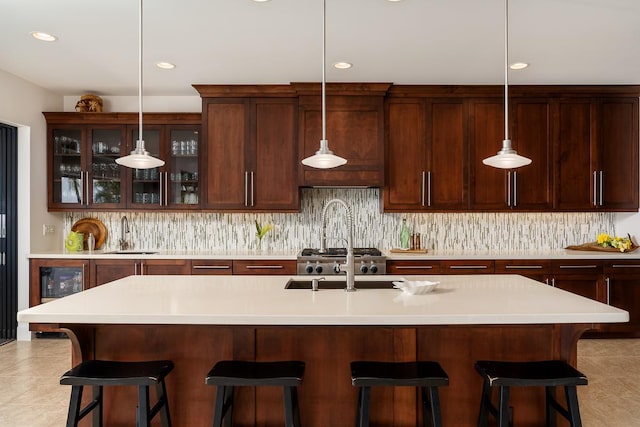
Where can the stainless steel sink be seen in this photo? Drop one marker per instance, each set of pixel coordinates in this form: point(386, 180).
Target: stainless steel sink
point(132, 252)
point(339, 284)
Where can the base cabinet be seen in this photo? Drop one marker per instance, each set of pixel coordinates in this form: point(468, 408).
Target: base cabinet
point(108, 270)
point(622, 290)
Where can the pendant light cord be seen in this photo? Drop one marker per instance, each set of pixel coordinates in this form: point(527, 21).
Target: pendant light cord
point(506, 69)
point(140, 74)
point(324, 59)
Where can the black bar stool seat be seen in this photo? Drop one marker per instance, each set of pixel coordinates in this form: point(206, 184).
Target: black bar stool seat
point(427, 375)
point(101, 373)
point(546, 373)
point(228, 374)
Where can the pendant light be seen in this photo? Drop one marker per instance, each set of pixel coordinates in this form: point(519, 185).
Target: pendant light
point(139, 157)
point(324, 157)
point(507, 158)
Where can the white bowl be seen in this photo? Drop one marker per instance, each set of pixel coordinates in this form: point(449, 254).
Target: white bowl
point(415, 287)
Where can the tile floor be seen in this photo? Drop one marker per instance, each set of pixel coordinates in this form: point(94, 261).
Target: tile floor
point(30, 395)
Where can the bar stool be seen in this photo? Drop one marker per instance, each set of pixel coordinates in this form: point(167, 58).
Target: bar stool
point(546, 373)
point(100, 373)
point(424, 374)
point(228, 374)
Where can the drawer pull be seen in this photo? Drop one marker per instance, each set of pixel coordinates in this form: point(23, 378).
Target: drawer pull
point(578, 266)
point(523, 267)
point(467, 267)
point(270, 267)
point(211, 267)
point(626, 266)
point(415, 267)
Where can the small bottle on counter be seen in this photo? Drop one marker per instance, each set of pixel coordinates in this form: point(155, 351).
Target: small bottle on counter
point(412, 246)
point(418, 243)
point(91, 242)
point(404, 235)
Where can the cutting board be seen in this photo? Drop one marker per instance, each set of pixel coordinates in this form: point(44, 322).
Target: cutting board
point(94, 226)
point(408, 251)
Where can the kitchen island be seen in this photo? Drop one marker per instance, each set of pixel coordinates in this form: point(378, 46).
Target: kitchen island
point(198, 320)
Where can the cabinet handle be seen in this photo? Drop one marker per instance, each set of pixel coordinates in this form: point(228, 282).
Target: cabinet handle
point(422, 184)
point(246, 185)
point(553, 282)
point(515, 189)
point(83, 278)
point(546, 281)
point(3, 226)
point(211, 267)
point(135, 269)
point(601, 188)
point(251, 188)
point(160, 192)
point(166, 188)
point(86, 188)
point(608, 281)
point(509, 188)
point(625, 266)
point(269, 267)
point(523, 267)
point(467, 267)
point(595, 188)
point(142, 268)
point(414, 267)
point(578, 266)
point(429, 188)
point(3, 262)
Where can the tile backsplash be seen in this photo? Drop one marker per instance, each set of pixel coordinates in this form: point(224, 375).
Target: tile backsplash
point(195, 231)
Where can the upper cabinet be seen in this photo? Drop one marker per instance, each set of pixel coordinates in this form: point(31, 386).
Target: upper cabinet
point(250, 155)
point(82, 150)
point(426, 155)
point(596, 147)
point(355, 131)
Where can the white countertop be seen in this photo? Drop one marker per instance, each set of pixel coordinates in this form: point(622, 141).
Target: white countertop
point(291, 255)
point(262, 300)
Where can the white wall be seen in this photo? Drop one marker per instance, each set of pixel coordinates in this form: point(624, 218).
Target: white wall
point(21, 105)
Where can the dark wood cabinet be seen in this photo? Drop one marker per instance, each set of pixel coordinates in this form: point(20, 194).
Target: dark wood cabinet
point(622, 290)
point(250, 154)
point(83, 174)
point(596, 144)
point(355, 131)
point(426, 155)
point(582, 277)
point(108, 270)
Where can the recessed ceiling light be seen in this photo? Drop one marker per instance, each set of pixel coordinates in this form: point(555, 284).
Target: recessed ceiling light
point(518, 65)
point(261, 1)
point(165, 65)
point(342, 65)
point(45, 37)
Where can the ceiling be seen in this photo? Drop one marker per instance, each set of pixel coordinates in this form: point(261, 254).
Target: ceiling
point(280, 41)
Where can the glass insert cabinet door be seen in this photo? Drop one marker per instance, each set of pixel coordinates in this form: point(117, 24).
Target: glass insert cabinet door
point(183, 167)
point(68, 169)
point(106, 180)
point(146, 183)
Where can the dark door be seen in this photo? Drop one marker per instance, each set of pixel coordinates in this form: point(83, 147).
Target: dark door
point(8, 232)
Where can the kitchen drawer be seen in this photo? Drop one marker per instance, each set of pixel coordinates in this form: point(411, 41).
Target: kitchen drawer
point(522, 266)
point(626, 267)
point(413, 267)
point(211, 267)
point(468, 267)
point(265, 267)
point(580, 266)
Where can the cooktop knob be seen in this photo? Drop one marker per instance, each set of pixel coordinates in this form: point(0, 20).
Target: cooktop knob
point(364, 268)
point(319, 268)
point(308, 268)
point(373, 268)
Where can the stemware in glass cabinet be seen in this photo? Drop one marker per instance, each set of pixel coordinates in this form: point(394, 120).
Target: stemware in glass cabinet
point(146, 184)
point(106, 182)
point(67, 166)
point(184, 177)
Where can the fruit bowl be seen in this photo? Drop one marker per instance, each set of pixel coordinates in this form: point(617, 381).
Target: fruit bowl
point(415, 287)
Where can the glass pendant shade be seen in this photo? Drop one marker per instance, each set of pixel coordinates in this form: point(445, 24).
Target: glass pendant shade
point(324, 158)
point(507, 158)
point(139, 157)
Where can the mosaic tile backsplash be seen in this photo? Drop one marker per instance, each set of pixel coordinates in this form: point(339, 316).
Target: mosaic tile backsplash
point(218, 232)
